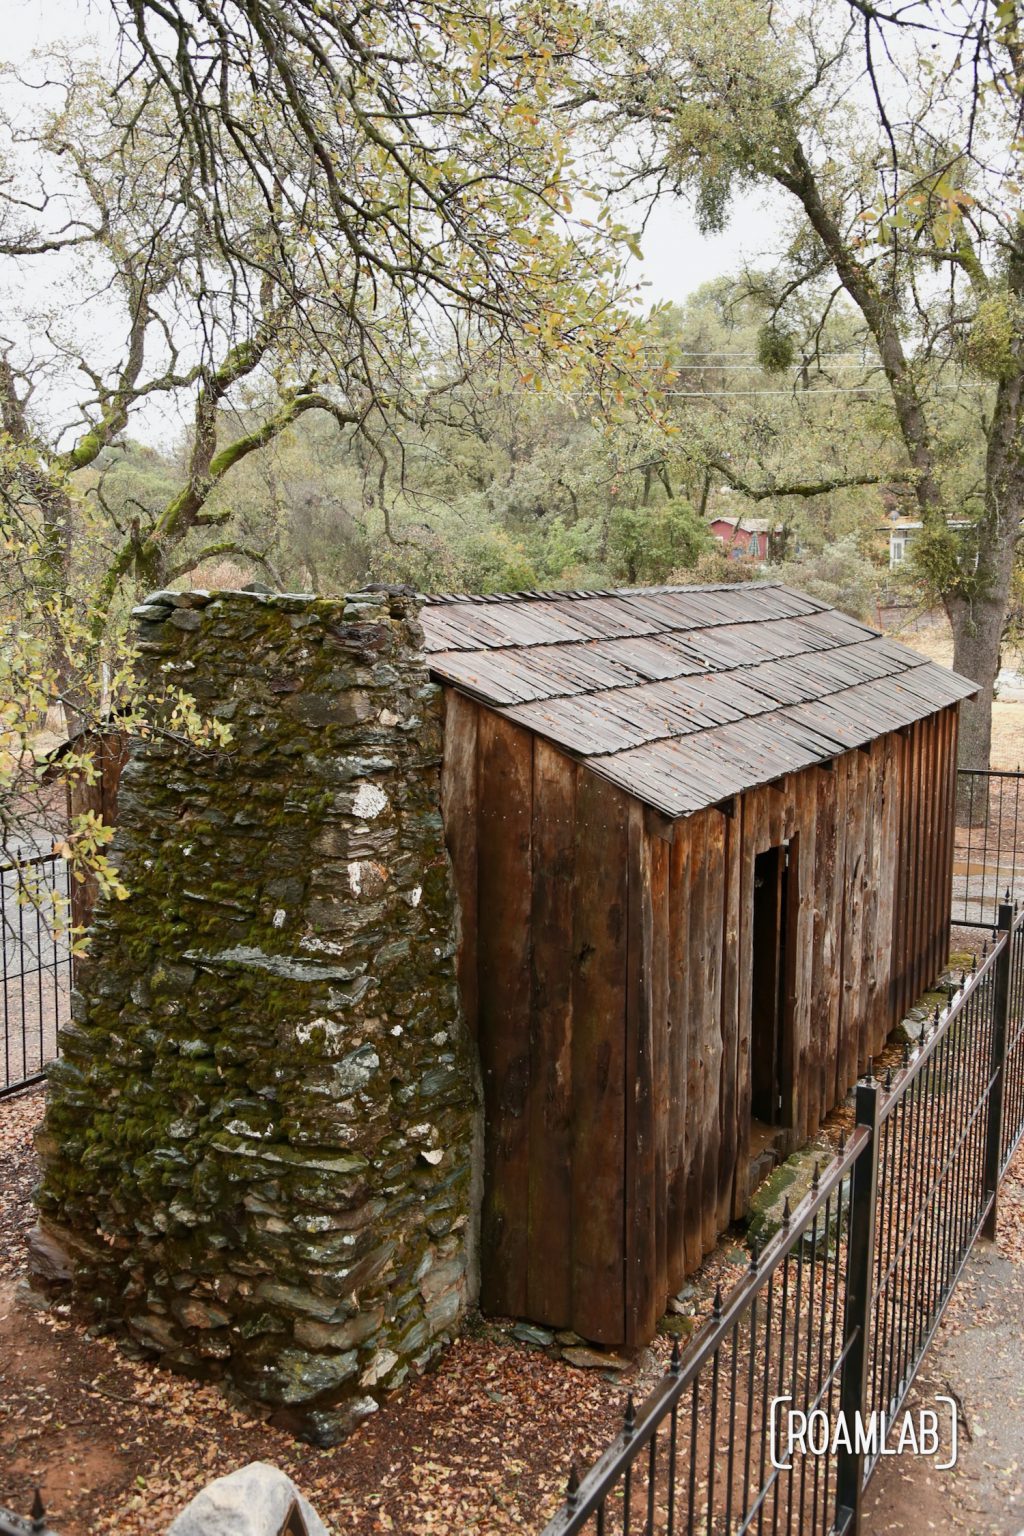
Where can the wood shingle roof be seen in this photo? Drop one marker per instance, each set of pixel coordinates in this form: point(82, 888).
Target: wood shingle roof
point(684, 696)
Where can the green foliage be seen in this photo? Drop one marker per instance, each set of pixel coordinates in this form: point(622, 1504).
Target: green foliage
point(775, 349)
point(449, 248)
point(646, 544)
point(994, 337)
point(462, 558)
point(839, 574)
point(943, 560)
point(713, 567)
point(51, 674)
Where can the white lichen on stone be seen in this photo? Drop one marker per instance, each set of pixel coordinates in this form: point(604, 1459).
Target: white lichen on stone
point(355, 877)
point(356, 1069)
point(333, 1031)
point(313, 941)
point(313, 1223)
point(369, 802)
point(279, 917)
point(415, 895)
point(243, 1128)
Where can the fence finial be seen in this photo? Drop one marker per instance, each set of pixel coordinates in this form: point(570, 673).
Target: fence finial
point(755, 1253)
point(38, 1512)
point(842, 1142)
point(676, 1356)
point(786, 1213)
point(869, 1075)
point(906, 1053)
point(716, 1305)
point(974, 962)
point(629, 1417)
point(888, 1079)
point(938, 1015)
point(572, 1491)
point(816, 1175)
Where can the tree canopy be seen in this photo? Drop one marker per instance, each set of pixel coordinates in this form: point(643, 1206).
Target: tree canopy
point(269, 212)
point(898, 153)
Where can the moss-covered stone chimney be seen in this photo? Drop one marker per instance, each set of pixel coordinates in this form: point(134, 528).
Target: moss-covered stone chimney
point(256, 1155)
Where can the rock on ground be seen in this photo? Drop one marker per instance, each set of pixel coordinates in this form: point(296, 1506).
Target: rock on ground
point(253, 1501)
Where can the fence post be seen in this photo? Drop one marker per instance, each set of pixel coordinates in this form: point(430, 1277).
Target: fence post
point(860, 1249)
point(997, 1075)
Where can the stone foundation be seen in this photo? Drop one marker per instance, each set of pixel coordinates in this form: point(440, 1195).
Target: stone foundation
point(257, 1152)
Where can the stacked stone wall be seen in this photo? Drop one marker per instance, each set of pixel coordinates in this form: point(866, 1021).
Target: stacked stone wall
point(257, 1152)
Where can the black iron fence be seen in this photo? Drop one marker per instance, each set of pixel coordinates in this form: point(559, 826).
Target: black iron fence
point(833, 1318)
point(988, 854)
point(33, 1524)
point(35, 966)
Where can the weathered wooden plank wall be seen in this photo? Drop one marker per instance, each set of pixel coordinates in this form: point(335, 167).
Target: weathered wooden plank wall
point(926, 755)
point(606, 969)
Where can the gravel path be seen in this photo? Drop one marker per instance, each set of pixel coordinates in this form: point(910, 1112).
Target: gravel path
point(977, 1357)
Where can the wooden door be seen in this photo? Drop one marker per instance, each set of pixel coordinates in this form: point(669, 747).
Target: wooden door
point(772, 984)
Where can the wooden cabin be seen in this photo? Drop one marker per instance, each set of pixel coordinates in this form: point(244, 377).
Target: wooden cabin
point(702, 842)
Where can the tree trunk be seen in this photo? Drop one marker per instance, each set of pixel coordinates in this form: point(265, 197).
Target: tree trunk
point(977, 632)
point(978, 617)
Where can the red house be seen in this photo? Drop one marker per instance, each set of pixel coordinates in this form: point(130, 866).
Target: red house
point(744, 537)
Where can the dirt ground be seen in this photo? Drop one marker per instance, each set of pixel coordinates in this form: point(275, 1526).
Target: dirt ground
point(477, 1448)
point(480, 1447)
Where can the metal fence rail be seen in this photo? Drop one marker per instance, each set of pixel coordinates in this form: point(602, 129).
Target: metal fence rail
point(988, 854)
point(933, 1121)
point(697, 1456)
point(35, 967)
point(838, 1311)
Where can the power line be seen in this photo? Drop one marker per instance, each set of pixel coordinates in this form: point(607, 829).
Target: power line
point(797, 394)
point(747, 368)
point(791, 394)
point(690, 352)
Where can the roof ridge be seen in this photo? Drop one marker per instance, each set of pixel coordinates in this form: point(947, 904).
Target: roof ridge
point(440, 599)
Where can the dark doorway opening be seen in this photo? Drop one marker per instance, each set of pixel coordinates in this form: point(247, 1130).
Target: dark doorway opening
point(772, 984)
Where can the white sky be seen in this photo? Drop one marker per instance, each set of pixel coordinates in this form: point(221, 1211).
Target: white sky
point(677, 258)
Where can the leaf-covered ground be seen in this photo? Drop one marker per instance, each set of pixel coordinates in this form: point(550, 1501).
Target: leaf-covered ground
point(481, 1446)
